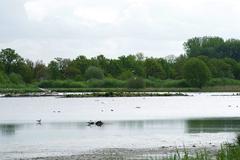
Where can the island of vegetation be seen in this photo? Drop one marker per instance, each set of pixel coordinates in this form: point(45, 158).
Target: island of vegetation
point(208, 64)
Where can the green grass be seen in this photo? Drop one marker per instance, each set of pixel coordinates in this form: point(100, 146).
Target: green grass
point(114, 85)
point(199, 155)
point(226, 152)
point(20, 90)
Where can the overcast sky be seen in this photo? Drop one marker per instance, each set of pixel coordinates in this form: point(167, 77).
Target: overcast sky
point(45, 29)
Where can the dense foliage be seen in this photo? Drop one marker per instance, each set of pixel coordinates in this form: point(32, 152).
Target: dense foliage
point(196, 72)
point(212, 56)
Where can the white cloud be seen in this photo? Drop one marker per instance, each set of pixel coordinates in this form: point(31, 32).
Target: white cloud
point(51, 28)
point(97, 14)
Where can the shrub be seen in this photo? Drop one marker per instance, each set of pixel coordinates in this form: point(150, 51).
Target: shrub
point(106, 83)
point(125, 75)
point(16, 78)
point(61, 84)
point(223, 82)
point(135, 83)
point(3, 78)
point(94, 73)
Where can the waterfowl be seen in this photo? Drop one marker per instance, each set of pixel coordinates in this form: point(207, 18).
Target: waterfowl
point(39, 121)
point(90, 123)
point(99, 123)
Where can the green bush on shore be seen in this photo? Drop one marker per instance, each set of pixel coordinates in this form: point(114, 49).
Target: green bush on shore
point(223, 82)
point(61, 84)
point(136, 82)
point(94, 73)
point(131, 83)
point(105, 83)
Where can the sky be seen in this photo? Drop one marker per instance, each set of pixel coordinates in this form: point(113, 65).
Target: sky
point(45, 29)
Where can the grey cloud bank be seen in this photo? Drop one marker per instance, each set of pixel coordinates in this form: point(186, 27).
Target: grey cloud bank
point(44, 29)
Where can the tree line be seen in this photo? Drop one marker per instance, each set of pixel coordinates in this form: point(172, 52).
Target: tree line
point(205, 58)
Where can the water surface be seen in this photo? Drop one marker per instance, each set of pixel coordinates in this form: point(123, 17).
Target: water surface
point(135, 122)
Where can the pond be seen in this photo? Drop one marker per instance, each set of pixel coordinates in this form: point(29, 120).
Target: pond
point(204, 119)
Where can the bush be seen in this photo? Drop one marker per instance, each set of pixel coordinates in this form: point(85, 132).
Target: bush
point(61, 84)
point(16, 78)
point(125, 75)
point(196, 72)
point(106, 83)
point(3, 78)
point(94, 73)
point(169, 83)
point(135, 83)
point(223, 82)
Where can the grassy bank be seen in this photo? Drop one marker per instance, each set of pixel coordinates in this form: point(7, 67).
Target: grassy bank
point(113, 85)
point(227, 152)
point(228, 88)
point(20, 90)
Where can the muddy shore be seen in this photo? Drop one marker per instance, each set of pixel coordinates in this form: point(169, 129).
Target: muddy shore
point(130, 154)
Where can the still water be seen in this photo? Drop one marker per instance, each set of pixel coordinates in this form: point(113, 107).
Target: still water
point(134, 122)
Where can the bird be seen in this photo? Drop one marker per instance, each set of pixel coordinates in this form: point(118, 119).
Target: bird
point(99, 123)
point(90, 123)
point(39, 121)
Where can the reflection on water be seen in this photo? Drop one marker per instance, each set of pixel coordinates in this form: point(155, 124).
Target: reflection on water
point(213, 125)
point(8, 129)
point(72, 137)
point(183, 126)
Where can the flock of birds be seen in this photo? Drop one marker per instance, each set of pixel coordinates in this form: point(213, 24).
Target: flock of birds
point(90, 123)
point(232, 106)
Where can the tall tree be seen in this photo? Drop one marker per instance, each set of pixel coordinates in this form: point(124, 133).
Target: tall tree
point(196, 72)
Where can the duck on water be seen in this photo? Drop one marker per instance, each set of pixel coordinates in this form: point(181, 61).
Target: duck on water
point(97, 123)
point(39, 121)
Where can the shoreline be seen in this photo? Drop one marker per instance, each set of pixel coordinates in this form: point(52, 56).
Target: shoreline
point(132, 153)
point(36, 90)
point(107, 94)
point(94, 94)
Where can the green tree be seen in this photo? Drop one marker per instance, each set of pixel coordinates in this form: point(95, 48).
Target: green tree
point(10, 60)
point(221, 69)
point(153, 68)
point(178, 67)
point(196, 72)
point(208, 46)
point(40, 71)
point(94, 73)
point(53, 70)
point(82, 63)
